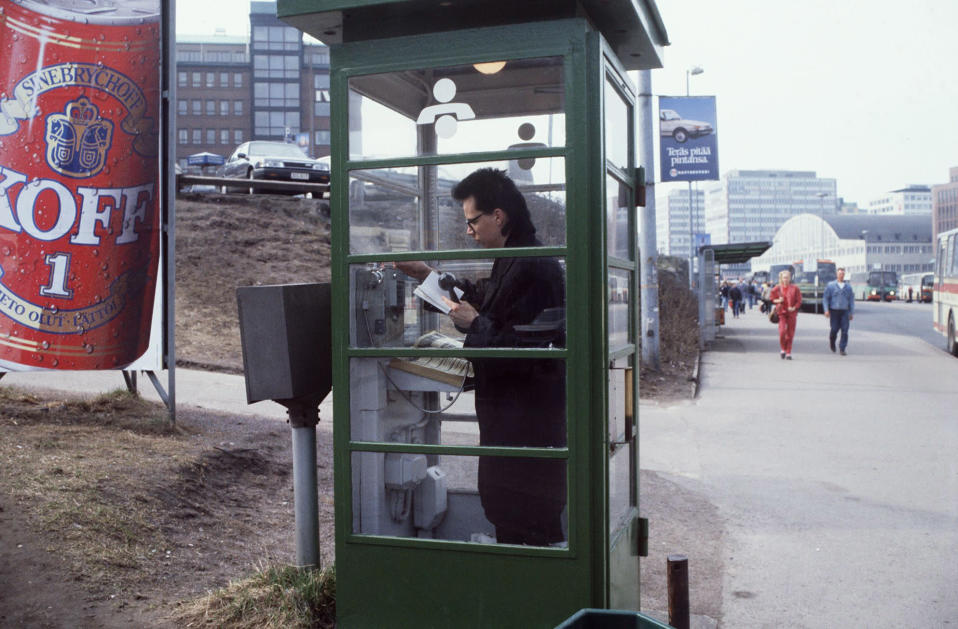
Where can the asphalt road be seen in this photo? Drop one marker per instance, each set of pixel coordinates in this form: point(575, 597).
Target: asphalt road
point(835, 477)
point(898, 317)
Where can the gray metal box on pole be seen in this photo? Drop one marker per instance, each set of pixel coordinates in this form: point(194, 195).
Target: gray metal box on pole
point(287, 357)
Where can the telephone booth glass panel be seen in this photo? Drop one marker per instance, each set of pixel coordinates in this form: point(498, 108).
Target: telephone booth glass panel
point(410, 208)
point(509, 105)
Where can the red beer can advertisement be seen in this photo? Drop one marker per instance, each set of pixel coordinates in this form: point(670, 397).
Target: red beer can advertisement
point(79, 179)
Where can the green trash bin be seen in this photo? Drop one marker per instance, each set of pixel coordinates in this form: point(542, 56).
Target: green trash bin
point(610, 619)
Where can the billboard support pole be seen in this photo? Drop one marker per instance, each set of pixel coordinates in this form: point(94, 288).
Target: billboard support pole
point(168, 200)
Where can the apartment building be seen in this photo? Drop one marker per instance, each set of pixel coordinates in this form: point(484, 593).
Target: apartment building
point(270, 86)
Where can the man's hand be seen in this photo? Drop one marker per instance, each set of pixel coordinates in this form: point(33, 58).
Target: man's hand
point(462, 314)
point(415, 269)
point(828, 314)
point(850, 317)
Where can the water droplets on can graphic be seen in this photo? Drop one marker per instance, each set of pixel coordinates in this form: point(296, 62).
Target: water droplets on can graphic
point(79, 176)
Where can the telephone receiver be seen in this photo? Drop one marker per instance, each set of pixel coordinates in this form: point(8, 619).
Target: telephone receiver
point(460, 111)
point(447, 282)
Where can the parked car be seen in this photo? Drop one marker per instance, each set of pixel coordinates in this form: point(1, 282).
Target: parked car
point(672, 124)
point(276, 161)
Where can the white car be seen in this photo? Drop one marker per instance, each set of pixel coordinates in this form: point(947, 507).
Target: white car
point(672, 124)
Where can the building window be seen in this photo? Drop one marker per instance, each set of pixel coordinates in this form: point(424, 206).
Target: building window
point(320, 57)
point(211, 136)
point(197, 79)
point(181, 79)
point(196, 107)
point(224, 136)
point(284, 95)
point(237, 79)
point(276, 66)
point(321, 109)
point(183, 136)
point(182, 107)
point(238, 136)
point(211, 108)
point(224, 108)
point(210, 79)
point(322, 138)
point(237, 108)
point(320, 81)
point(224, 79)
point(276, 38)
point(197, 136)
point(276, 123)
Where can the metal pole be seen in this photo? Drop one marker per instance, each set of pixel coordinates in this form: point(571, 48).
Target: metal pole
point(691, 237)
point(678, 581)
point(646, 128)
point(304, 496)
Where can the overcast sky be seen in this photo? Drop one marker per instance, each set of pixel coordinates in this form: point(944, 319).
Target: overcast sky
point(863, 91)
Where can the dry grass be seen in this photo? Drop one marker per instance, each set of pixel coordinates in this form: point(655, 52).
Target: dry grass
point(52, 457)
point(277, 597)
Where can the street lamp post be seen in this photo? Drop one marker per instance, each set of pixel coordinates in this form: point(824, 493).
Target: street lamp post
point(821, 198)
point(688, 74)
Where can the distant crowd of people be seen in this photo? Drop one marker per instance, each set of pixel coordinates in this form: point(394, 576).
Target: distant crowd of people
point(737, 293)
point(838, 302)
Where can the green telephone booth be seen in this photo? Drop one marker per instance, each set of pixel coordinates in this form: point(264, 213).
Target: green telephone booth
point(486, 473)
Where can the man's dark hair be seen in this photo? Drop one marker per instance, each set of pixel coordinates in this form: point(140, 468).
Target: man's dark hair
point(841, 268)
point(491, 189)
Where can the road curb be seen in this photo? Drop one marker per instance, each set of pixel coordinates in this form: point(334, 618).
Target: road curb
point(694, 378)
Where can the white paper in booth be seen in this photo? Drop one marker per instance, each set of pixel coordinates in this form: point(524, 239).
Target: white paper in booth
point(430, 291)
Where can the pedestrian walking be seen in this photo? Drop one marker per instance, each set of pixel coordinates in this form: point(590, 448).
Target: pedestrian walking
point(751, 294)
point(724, 293)
point(766, 300)
point(839, 302)
point(735, 298)
point(788, 300)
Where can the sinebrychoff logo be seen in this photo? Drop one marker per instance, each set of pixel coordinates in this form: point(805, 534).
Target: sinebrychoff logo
point(78, 140)
point(22, 105)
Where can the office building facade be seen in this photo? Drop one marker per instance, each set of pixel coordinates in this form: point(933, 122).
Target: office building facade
point(751, 205)
point(672, 233)
point(915, 200)
point(272, 86)
point(944, 213)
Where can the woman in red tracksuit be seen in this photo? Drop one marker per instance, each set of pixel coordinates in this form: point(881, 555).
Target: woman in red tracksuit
point(788, 298)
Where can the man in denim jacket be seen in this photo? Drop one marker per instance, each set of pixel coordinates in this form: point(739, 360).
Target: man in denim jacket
point(839, 301)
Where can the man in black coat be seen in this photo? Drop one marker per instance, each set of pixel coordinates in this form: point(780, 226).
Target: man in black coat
point(519, 402)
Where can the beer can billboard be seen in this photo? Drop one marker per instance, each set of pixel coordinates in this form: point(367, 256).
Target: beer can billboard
point(79, 182)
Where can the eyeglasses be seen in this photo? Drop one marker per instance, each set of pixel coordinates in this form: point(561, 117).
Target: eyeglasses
point(471, 222)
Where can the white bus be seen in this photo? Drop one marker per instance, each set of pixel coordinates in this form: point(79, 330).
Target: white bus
point(945, 296)
point(916, 287)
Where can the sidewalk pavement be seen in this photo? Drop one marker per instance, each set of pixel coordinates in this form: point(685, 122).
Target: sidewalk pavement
point(203, 389)
point(833, 477)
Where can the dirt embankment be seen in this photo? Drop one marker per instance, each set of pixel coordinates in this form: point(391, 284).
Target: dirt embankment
point(227, 241)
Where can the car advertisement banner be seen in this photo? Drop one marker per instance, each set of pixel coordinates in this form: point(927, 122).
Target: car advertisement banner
point(688, 147)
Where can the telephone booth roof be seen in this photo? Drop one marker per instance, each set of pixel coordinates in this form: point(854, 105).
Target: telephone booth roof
point(633, 28)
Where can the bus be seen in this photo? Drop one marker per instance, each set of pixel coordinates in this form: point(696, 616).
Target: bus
point(875, 285)
point(945, 295)
point(775, 269)
point(812, 284)
point(916, 287)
